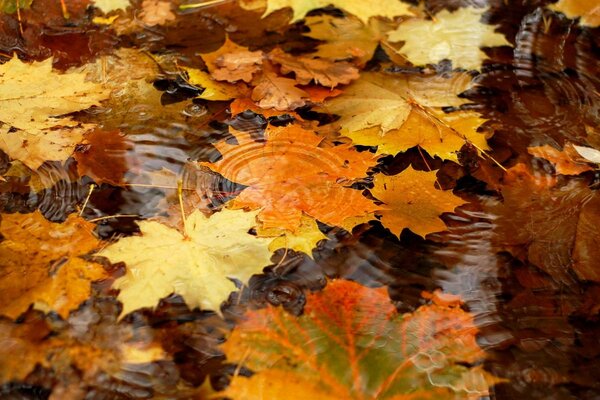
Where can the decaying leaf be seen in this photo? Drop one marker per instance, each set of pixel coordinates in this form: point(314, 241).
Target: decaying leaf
point(195, 264)
point(457, 36)
point(233, 63)
point(288, 174)
point(555, 225)
point(321, 71)
point(33, 98)
point(363, 9)
point(273, 91)
point(588, 11)
point(412, 201)
point(567, 162)
point(156, 12)
point(351, 343)
point(43, 263)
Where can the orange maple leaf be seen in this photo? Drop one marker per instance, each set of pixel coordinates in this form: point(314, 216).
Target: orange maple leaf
point(288, 174)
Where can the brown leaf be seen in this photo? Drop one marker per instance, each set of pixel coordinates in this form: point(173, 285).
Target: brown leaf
point(156, 12)
point(566, 162)
point(233, 63)
point(279, 93)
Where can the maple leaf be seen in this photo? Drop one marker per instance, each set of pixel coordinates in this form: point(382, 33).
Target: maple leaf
point(588, 11)
point(42, 263)
point(107, 6)
point(413, 202)
point(396, 113)
point(556, 225)
point(11, 6)
point(233, 63)
point(103, 156)
point(32, 96)
point(156, 12)
point(566, 162)
point(363, 9)
point(346, 38)
point(351, 343)
point(456, 36)
point(195, 264)
point(304, 239)
point(307, 69)
point(273, 91)
point(288, 174)
point(213, 90)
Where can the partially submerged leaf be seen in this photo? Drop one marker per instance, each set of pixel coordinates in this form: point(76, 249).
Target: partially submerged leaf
point(304, 239)
point(351, 343)
point(588, 11)
point(289, 174)
point(195, 264)
point(412, 201)
point(566, 162)
point(456, 36)
point(42, 263)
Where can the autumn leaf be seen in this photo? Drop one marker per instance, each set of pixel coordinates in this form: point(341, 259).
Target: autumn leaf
point(195, 264)
point(566, 162)
point(104, 156)
point(233, 63)
point(32, 98)
point(396, 113)
point(412, 201)
point(43, 263)
point(346, 38)
point(588, 11)
point(351, 343)
point(273, 91)
point(364, 9)
point(288, 174)
point(304, 239)
point(322, 72)
point(11, 6)
point(213, 90)
point(457, 36)
point(554, 224)
point(156, 12)
point(107, 6)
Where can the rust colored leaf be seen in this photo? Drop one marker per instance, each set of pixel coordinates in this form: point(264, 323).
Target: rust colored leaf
point(42, 263)
point(566, 162)
point(233, 63)
point(273, 91)
point(289, 174)
point(103, 156)
point(351, 343)
point(322, 72)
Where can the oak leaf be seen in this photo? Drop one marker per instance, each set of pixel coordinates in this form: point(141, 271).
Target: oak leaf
point(156, 12)
point(412, 201)
point(457, 36)
point(195, 264)
point(321, 71)
point(588, 11)
point(42, 263)
point(32, 99)
point(556, 226)
point(233, 63)
point(351, 343)
point(396, 113)
point(363, 9)
point(288, 174)
point(280, 93)
point(566, 162)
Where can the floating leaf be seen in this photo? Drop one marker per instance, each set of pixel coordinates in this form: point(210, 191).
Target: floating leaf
point(233, 63)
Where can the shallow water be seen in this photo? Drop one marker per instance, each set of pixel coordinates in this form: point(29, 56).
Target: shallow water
point(518, 258)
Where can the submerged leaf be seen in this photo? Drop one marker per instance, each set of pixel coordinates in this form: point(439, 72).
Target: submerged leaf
point(351, 343)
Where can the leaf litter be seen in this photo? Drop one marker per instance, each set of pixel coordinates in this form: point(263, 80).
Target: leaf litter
point(269, 199)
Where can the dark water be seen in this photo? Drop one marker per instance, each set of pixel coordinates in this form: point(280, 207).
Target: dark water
point(507, 252)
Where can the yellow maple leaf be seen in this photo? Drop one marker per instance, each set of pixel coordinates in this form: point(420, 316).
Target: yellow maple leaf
point(304, 239)
point(457, 36)
point(588, 11)
point(363, 9)
point(213, 90)
point(32, 99)
point(397, 112)
point(42, 264)
point(195, 264)
point(413, 202)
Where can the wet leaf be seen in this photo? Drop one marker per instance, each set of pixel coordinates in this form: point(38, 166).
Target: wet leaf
point(195, 264)
point(11, 6)
point(456, 36)
point(233, 63)
point(156, 12)
point(588, 11)
point(351, 343)
point(43, 263)
point(288, 175)
point(273, 91)
point(107, 6)
point(304, 239)
point(566, 162)
point(412, 201)
point(213, 90)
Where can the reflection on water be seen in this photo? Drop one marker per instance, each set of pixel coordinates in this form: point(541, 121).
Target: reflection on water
point(520, 254)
